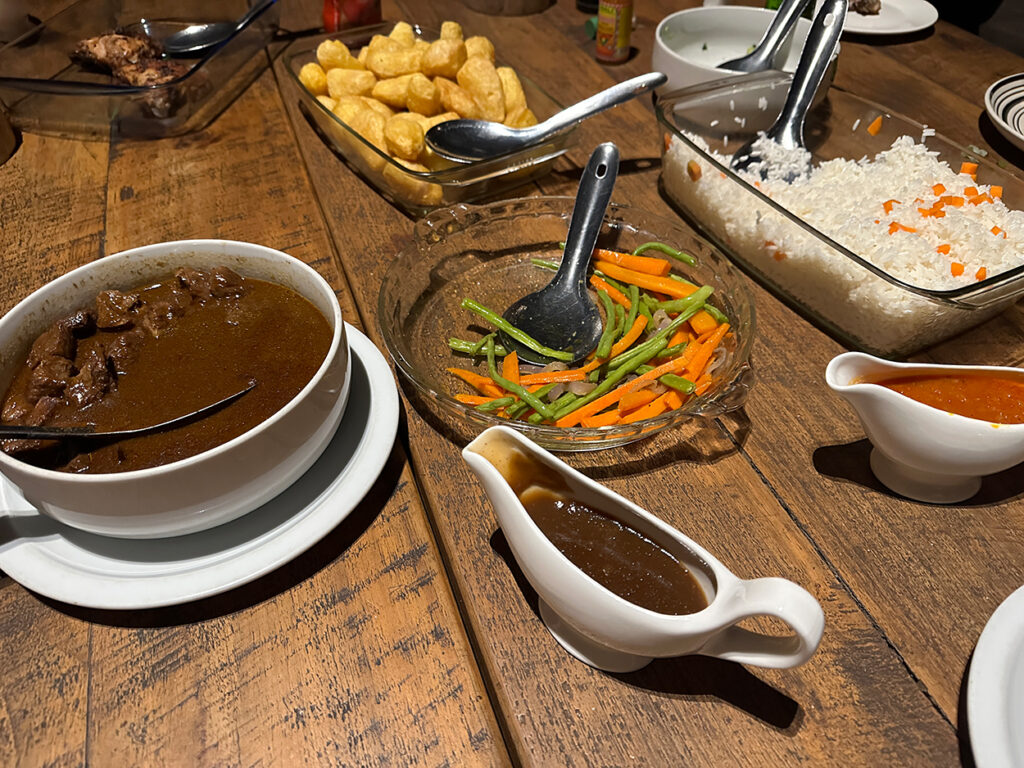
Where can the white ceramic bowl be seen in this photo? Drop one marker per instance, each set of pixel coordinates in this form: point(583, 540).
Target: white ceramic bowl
point(210, 488)
point(688, 45)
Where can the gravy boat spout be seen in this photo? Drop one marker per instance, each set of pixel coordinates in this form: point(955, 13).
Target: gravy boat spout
point(921, 452)
point(607, 631)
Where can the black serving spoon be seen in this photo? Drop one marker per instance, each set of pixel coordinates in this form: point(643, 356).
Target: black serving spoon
point(562, 316)
point(88, 431)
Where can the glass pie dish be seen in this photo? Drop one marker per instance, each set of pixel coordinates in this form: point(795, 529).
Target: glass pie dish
point(857, 286)
point(413, 191)
point(485, 253)
point(45, 92)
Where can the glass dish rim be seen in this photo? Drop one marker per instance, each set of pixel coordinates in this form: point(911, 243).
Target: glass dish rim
point(950, 297)
point(458, 175)
point(572, 438)
point(76, 88)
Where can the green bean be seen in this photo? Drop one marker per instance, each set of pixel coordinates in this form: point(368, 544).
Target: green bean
point(684, 257)
point(644, 310)
point(604, 346)
point(482, 343)
point(634, 307)
point(678, 383)
point(521, 406)
point(523, 338)
point(673, 351)
point(545, 264)
point(612, 379)
point(496, 404)
point(467, 347)
point(512, 387)
point(716, 313)
point(620, 323)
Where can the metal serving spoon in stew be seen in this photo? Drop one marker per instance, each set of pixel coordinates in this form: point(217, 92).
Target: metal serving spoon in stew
point(88, 431)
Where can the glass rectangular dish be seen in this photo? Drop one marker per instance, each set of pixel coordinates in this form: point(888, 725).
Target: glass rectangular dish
point(417, 192)
point(45, 92)
point(842, 279)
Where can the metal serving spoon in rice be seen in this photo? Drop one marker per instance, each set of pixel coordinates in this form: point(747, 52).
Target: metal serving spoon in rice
point(788, 129)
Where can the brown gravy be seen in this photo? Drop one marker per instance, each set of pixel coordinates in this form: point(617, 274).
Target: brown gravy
point(158, 351)
point(616, 555)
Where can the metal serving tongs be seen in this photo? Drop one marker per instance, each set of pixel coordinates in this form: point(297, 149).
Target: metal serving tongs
point(88, 431)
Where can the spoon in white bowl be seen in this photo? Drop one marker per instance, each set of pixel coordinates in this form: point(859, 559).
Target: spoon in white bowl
point(788, 129)
point(196, 40)
point(466, 141)
point(762, 56)
point(88, 431)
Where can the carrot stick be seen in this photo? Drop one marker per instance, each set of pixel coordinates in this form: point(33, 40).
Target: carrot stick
point(649, 265)
point(602, 419)
point(673, 400)
point(481, 384)
point(510, 367)
point(474, 399)
point(613, 293)
point(700, 359)
point(649, 411)
point(666, 285)
point(633, 400)
point(702, 385)
point(553, 377)
point(702, 322)
point(678, 337)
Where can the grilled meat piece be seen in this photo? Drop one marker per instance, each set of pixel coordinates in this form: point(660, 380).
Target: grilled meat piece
point(866, 7)
point(150, 71)
point(112, 51)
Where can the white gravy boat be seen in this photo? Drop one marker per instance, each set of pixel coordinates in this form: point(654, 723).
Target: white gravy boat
point(922, 452)
point(608, 632)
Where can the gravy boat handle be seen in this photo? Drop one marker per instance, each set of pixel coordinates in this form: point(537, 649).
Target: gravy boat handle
point(768, 597)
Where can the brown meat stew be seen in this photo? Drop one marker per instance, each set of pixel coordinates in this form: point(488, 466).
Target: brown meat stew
point(159, 351)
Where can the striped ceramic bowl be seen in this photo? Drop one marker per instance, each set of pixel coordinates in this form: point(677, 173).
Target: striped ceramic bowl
point(1004, 102)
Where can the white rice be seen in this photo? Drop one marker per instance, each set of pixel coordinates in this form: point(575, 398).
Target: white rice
point(846, 200)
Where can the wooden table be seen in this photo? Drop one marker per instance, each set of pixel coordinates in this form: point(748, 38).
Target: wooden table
point(408, 635)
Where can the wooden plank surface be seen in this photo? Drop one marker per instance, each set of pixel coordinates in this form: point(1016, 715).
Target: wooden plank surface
point(766, 504)
point(354, 654)
point(366, 651)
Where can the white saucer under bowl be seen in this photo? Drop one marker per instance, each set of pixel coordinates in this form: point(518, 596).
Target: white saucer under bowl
point(95, 571)
point(1004, 102)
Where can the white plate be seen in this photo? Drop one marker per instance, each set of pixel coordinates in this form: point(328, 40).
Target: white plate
point(995, 688)
point(897, 17)
point(1004, 102)
point(100, 572)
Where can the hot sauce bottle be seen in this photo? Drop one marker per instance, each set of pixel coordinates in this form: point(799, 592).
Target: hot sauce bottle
point(341, 14)
point(614, 24)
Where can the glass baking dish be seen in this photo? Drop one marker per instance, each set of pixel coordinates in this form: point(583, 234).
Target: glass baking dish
point(834, 278)
point(45, 92)
point(413, 191)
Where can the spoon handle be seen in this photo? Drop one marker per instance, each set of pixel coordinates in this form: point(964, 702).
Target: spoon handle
point(599, 102)
point(814, 60)
point(252, 13)
point(588, 214)
point(761, 57)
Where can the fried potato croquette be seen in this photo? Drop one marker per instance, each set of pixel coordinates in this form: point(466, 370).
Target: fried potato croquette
point(422, 95)
point(409, 187)
point(444, 58)
point(394, 60)
point(378, 106)
point(521, 118)
point(394, 91)
point(347, 107)
point(451, 30)
point(328, 102)
point(349, 82)
point(370, 125)
point(455, 98)
point(403, 34)
point(480, 46)
point(313, 78)
point(512, 89)
point(479, 77)
point(404, 137)
point(334, 53)
point(442, 118)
